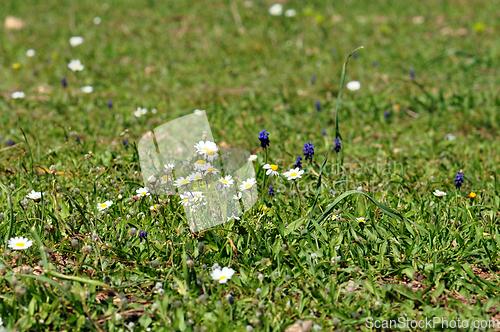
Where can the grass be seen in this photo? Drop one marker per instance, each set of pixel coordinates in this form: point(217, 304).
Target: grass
point(416, 256)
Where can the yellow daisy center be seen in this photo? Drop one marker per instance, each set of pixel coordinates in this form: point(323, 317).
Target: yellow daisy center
point(209, 152)
point(210, 169)
point(201, 162)
point(103, 205)
point(224, 181)
point(248, 185)
point(274, 167)
point(20, 244)
point(293, 174)
point(186, 199)
point(185, 181)
point(222, 278)
point(164, 177)
point(198, 177)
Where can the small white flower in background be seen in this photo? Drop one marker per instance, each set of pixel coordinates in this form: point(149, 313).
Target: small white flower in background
point(361, 219)
point(237, 196)
point(75, 41)
point(30, 53)
point(272, 170)
point(222, 275)
point(198, 112)
point(314, 256)
point(19, 243)
point(439, 193)
point(87, 89)
point(152, 179)
point(18, 95)
point(294, 174)
point(182, 182)
point(1, 321)
point(154, 111)
point(140, 112)
point(248, 184)
point(233, 216)
point(75, 65)
point(290, 13)
point(253, 157)
point(169, 167)
point(104, 206)
point(34, 195)
point(336, 259)
point(353, 85)
point(97, 20)
point(334, 217)
point(143, 191)
point(450, 137)
point(276, 9)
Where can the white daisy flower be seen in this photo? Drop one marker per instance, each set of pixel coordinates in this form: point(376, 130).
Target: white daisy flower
point(207, 149)
point(169, 167)
point(209, 169)
point(294, 173)
point(75, 41)
point(182, 182)
point(18, 95)
point(335, 217)
point(30, 53)
point(200, 165)
point(439, 193)
point(272, 170)
point(87, 89)
point(361, 219)
point(34, 195)
point(1, 321)
point(226, 181)
point(97, 20)
point(152, 179)
point(253, 157)
point(164, 179)
point(248, 184)
point(186, 199)
point(154, 207)
point(290, 13)
point(237, 196)
point(197, 196)
point(19, 243)
point(143, 191)
point(75, 65)
point(104, 206)
point(222, 275)
point(199, 112)
point(276, 9)
point(353, 85)
point(195, 176)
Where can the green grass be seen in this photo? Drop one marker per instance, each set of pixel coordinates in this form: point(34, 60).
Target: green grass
point(416, 256)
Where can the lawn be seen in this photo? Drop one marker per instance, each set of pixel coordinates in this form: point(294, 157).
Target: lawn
point(391, 215)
